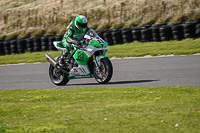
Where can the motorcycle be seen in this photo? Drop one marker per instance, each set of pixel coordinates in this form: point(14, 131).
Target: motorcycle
point(84, 61)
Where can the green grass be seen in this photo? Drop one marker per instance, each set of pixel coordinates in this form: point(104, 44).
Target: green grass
point(135, 49)
point(27, 57)
point(138, 49)
point(94, 110)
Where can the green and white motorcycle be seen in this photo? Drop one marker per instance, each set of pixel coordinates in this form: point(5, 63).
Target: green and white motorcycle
point(85, 61)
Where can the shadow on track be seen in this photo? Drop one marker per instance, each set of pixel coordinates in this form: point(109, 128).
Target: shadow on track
point(132, 82)
point(116, 82)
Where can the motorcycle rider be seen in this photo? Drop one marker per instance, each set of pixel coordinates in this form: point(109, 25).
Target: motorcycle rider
point(75, 32)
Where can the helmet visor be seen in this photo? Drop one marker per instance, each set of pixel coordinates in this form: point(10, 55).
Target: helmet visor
point(82, 25)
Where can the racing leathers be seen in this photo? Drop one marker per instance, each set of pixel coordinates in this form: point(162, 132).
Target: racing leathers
point(72, 36)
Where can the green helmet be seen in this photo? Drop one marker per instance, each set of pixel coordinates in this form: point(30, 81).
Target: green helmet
point(81, 23)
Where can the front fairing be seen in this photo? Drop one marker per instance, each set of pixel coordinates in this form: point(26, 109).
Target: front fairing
point(94, 43)
point(94, 39)
point(86, 53)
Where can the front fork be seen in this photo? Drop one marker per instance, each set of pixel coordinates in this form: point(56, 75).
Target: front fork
point(97, 60)
point(96, 63)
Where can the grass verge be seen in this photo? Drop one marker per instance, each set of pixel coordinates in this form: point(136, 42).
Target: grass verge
point(91, 110)
point(135, 49)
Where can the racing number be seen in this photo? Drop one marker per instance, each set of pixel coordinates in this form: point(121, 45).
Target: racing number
point(100, 41)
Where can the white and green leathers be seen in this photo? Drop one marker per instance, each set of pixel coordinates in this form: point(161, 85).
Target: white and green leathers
point(75, 32)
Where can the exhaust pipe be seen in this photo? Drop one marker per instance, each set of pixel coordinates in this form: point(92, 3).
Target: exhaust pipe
point(51, 60)
point(54, 63)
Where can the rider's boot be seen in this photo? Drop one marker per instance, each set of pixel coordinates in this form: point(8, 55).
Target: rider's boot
point(63, 56)
point(61, 61)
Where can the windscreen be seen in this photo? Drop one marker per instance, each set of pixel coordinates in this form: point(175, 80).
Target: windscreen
point(92, 34)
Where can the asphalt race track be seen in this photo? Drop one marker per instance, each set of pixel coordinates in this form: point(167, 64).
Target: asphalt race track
point(137, 72)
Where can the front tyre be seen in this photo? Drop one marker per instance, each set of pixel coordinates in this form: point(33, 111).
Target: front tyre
point(57, 76)
point(106, 72)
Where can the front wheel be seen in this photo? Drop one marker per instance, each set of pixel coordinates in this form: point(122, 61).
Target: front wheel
point(57, 76)
point(106, 72)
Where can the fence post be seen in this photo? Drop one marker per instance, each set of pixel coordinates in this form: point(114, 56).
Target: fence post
point(121, 12)
point(104, 2)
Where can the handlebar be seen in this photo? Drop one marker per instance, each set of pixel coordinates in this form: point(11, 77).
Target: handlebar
point(82, 44)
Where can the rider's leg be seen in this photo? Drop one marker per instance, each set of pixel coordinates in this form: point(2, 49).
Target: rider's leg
point(61, 60)
point(64, 51)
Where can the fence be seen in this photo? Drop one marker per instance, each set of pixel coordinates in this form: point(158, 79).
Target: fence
point(148, 33)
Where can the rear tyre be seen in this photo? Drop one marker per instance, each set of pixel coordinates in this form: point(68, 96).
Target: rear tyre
point(57, 76)
point(106, 72)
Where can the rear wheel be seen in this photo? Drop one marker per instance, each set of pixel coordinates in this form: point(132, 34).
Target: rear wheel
point(57, 76)
point(106, 72)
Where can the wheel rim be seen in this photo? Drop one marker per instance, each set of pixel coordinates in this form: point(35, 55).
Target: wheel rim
point(57, 75)
point(102, 75)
